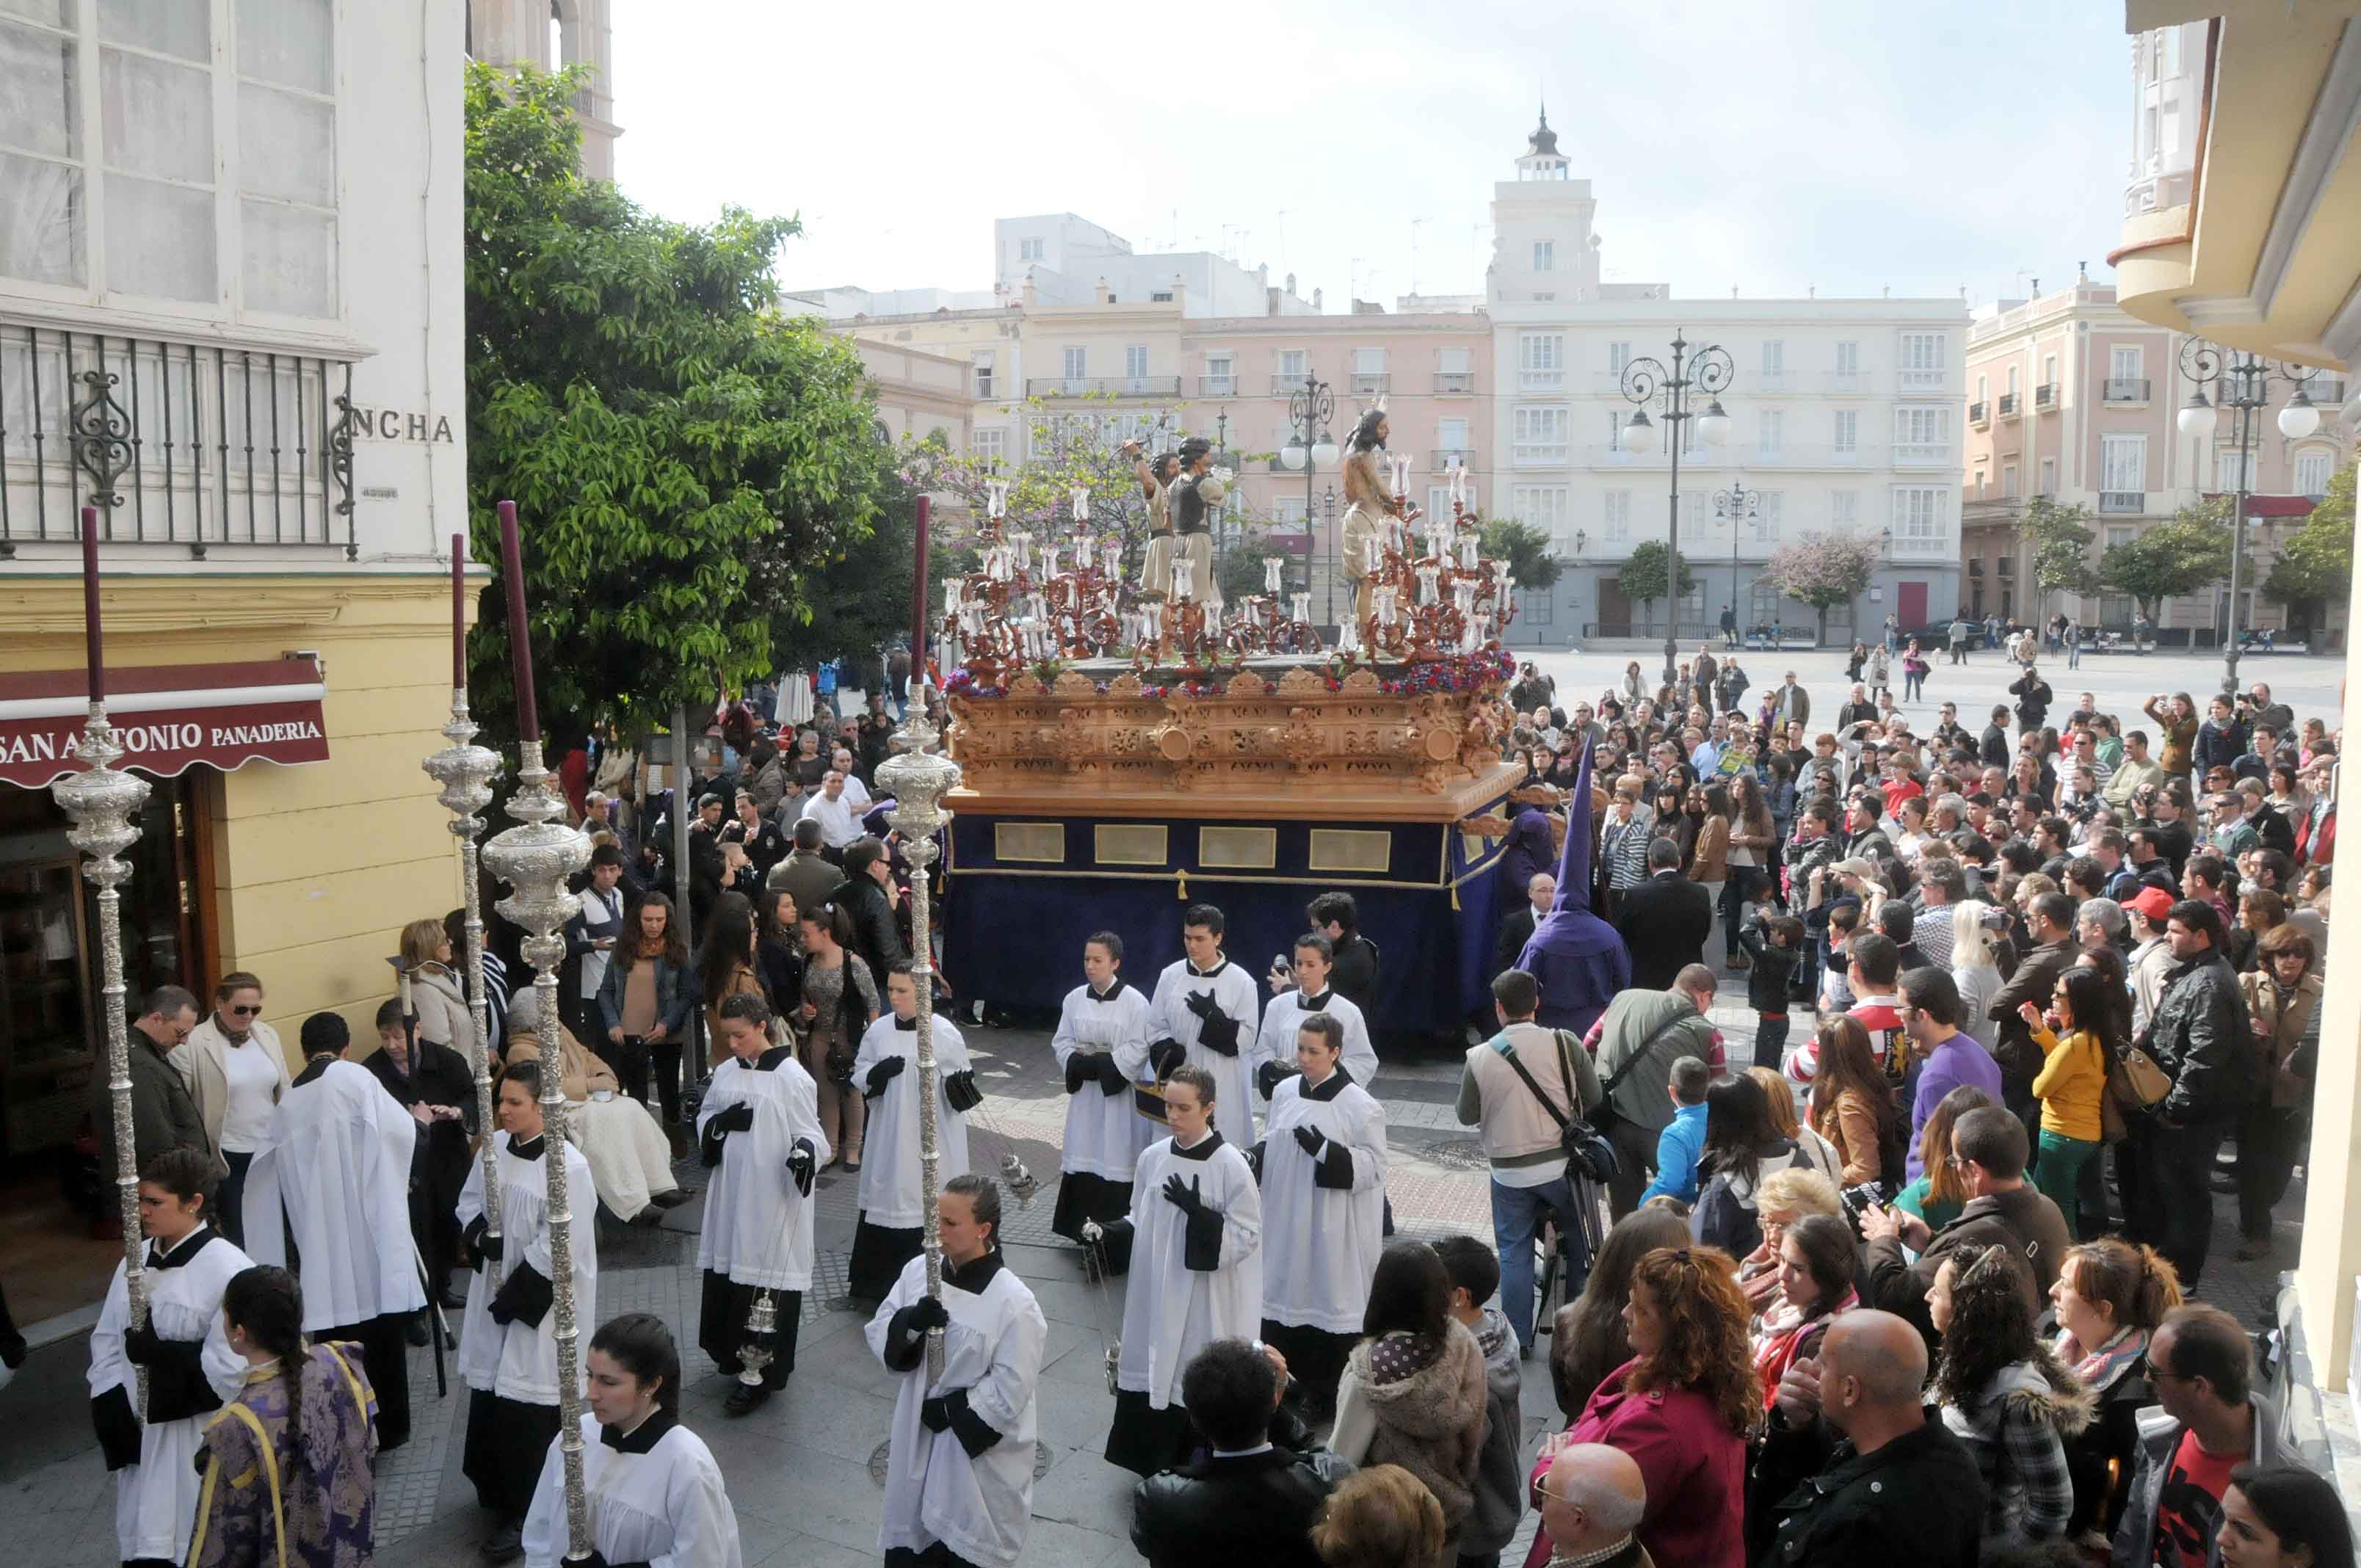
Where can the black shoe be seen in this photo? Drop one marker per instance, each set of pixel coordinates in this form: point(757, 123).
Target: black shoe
point(505, 1545)
point(417, 1332)
point(454, 1300)
point(675, 1198)
point(745, 1399)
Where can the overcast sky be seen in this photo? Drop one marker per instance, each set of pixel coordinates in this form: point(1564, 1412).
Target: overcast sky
point(1850, 147)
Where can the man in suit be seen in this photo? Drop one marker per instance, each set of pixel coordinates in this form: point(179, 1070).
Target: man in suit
point(1664, 921)
point(1541, 892)
point(1794, 705)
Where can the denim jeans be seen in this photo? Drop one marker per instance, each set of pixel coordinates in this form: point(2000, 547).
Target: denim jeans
point(1517, 1214)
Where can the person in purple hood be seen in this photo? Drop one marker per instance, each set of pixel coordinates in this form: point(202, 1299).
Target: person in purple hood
point(1578, 959)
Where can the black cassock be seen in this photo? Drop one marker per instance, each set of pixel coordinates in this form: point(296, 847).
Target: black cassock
point(438, 1162)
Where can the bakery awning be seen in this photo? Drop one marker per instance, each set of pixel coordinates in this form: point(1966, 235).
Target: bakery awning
point(167, 718)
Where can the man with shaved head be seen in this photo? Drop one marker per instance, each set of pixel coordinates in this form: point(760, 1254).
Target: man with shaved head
point(1896, 1486)
point(1591, 1502)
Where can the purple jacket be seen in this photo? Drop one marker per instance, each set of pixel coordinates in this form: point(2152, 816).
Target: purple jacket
point(1956, 1061)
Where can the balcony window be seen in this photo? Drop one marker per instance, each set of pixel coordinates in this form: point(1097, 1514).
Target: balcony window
point(1077, 362)
point(1846, 444)
point(1454, 370)
point(1218, 381)
point(1774, 359)
point(980, 366)
point(1921, 435)
point(1615, 516)
point(1917, 517)
point(1368, 371)
point(1540, 360)
point(1538, 436)
point(2123, 473)
point(1544, 256)
point(1848, 361)
point(1922, 361)
point(1770, 433)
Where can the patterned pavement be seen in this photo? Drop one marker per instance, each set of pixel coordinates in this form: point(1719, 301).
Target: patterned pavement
point(806, 1472)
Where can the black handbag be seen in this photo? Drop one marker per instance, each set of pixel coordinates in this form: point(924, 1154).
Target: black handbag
point(1587, 1154)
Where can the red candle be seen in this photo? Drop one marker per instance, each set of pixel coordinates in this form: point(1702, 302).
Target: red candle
point(91, 656)
point(458, 612)
point(520, 643)
point(918, 603)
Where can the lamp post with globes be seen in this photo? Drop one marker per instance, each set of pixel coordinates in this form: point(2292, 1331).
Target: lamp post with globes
point(1739, 504)
point(2244, 380)
point(1310, 448)
point(1697, 370)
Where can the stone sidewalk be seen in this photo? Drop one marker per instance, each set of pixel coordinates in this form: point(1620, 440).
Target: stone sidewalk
point(806, 1472)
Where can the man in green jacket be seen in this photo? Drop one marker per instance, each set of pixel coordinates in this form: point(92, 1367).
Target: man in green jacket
point(1634, 1044)
point(163, 1115)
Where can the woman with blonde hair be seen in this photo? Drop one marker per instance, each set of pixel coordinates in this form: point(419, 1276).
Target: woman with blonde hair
point(1683, 1407)
point(2109, 1295)
point(435, 993)
point(1974, 971)
point(1380, 1518)
point(1787, 1196)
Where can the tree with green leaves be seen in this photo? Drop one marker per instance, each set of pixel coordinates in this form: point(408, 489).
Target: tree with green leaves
point(1533, 561)
point(2061, 539)
point(689, 469)
point(2188, 552)
point(1824, 570)
point(1643, 572)
point(2314, 569)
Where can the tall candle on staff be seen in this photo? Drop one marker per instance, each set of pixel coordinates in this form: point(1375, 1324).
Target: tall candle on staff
point(918, 597)
point(520, 645)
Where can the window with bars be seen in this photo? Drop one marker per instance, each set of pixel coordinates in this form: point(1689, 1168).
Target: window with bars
point(121, 122)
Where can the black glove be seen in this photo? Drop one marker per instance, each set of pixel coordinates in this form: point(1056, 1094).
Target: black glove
point(1166, 1054)
point(143, 1347)
point(1079, 1072)
point(1269, 1076)
point(950, 1412)
point(800, 1164)
point(928, 1312)
point(1254, 1162)
point(884, 1073)
point(1310, 1138)
point(1111, 1076)
point(1202, 1003)
point(739, 1118)
point(1183, 1196)
point(482, 1248)
point(935, 1414)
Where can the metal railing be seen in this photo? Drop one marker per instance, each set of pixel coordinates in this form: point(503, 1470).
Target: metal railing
point(1442, 458)
point(2122, 500)
point(1217, 386)
point(2008, 405)
point(1454, 381)
point(1103, 386)
point(2045, 397)
point(181, 444)
point(2127, 390)
point(1978, 413)
point(1364, 383)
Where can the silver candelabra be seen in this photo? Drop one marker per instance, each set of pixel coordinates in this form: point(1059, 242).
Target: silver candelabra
point(105, 804)
point(919, 779)
point(535, 859)
point(466, 772)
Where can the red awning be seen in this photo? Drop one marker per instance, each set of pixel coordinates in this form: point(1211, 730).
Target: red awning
point(2268, 505)
point(166, 719)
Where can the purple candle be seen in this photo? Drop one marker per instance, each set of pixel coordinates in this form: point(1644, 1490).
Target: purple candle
point(919, 599)
point(520, 643)
point(458, 612)
point(91, 656)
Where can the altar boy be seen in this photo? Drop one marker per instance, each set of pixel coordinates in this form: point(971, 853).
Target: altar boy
point(1205, 1013)
point(1302, 991)
point(1102, 1044)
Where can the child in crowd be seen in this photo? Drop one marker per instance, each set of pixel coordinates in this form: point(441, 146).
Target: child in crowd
point(1499, 1483)
point(1775, 945)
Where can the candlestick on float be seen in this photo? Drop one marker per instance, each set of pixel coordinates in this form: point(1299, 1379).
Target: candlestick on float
point(536, 858)
point(105, 804)
point(919, 599)
point(918, 777)
point(466, 772)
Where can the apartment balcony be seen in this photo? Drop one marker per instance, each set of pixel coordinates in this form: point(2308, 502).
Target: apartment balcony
point(1937, 546)
point(1217, 386)
point(1923, 380)
point(2008, 406)
point(1103, 386)
point(1454, 382)
point(1979, 414)
point(1368, 384)
point(2045, 397)
point(2122, 502)
point(1283, 385)
point(2124, 392)
point(1538, 455)
point(1539, 381)
point(181, 445)
point(1440, 459)
point(1925, 455)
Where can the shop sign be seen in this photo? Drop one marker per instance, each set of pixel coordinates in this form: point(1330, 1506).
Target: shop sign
point(166, 719)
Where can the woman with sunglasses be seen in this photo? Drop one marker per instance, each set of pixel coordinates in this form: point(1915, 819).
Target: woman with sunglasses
point(236, 1074)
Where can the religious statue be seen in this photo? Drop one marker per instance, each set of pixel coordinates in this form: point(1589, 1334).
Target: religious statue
point(1156, 479)
point(1370, 503)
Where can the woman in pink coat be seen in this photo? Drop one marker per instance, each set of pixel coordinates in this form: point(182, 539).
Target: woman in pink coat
point(1682, 1408)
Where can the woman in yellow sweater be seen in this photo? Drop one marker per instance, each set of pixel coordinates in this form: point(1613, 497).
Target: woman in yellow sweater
point(2078, 1048)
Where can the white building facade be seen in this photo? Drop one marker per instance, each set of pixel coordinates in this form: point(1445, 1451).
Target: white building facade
point(1845, 418)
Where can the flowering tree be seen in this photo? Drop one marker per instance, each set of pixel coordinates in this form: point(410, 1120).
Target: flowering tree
point(1824, 570)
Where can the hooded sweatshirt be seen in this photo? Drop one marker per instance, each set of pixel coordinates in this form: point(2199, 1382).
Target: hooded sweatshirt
point(1499, 1477)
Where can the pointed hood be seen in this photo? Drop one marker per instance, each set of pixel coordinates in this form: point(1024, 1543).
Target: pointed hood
point(1570, 930)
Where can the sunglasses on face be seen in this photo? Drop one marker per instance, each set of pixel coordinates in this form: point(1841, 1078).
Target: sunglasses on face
point(245, 1011)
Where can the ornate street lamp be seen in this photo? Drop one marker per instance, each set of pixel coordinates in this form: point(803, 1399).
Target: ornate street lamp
point(2244, 380)
point(1311, 446)
point(1738, 504)
point(1696, 368)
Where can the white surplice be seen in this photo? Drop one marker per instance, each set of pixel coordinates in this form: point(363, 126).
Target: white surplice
point(1320, 1244)
point(889, 1158)
point(980, 1507)
point(1233, 993)
point(758, 1228)
point(519, 1360)
point(156, 1500)
point(1179, 1298)
point(655, 1496)
point(1106, 1134)
point(1284, 1018)
point(335, 1171)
